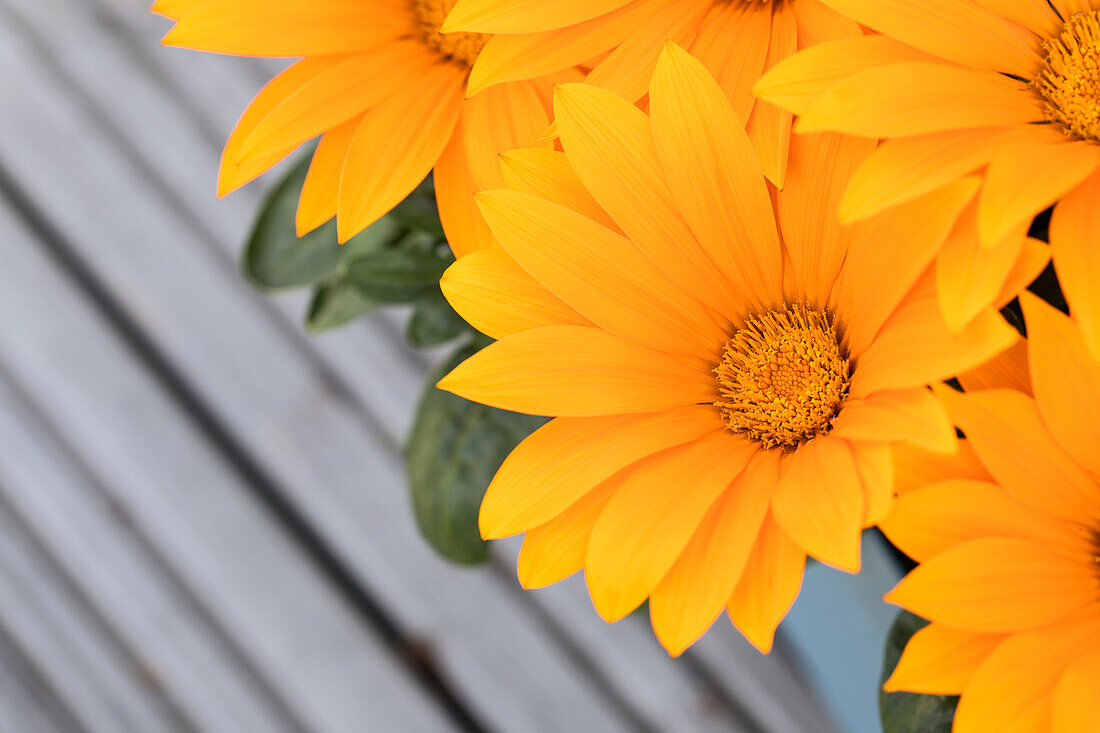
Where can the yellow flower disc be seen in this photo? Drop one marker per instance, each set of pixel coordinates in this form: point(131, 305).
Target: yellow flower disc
point(783, 377)
point(1070, 79)
point(461, 47)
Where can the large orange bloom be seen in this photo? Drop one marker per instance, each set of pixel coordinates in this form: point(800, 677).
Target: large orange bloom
point(1010, 562)
point(727, 373)
point(621, 39)
point(1008, 87)
point(383, 89)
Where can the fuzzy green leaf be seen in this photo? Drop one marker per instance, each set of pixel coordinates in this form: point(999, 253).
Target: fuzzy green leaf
point(418, 211)
point(276, 257)
point(434, 322)
point(455, 448)
point(404, 273)
point(335, 304)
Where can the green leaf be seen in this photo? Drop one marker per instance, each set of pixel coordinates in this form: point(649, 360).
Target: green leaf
point(401, 274)
point(434, 322)
point(275, 257)
point(909, 712)
point(418, 211)
point(336, 303)
point(455, 448)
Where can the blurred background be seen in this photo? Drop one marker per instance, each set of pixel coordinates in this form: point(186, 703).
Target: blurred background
point(204, 521)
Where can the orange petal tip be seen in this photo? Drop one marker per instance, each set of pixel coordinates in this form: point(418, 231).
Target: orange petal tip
point(762, 642)
point(476, 82)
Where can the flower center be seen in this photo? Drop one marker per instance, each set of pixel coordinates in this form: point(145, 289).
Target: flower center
point(1069, 81)
point(461, 47)
point(783, 377)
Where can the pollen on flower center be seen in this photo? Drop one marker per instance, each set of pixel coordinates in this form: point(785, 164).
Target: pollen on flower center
point(783, 377)
point(1069, 81)
point(461, 47)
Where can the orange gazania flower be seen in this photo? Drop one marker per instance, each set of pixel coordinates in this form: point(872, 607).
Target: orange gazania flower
point(726, 378)
point(1011, 87)
point(384, 90)
point(1010, 565)
point(621, 39)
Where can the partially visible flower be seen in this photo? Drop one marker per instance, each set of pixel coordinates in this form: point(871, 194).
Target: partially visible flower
point(1007, 87)
point(1010, 564)
point(728, 375)
point(621, 39)
point(384, 90)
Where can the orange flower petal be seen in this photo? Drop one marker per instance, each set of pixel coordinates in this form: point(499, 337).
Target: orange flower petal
point(693, 593)
point(506, 117)
point(563, 460)
point(530, 55)
point(714, 175)
point(904, 168)
point(1035, 15)
point(970, 277)
point(795, 82)
point(557, 549)
point(819, 502)
point(1007, 370)
point(916, 348)
point(548, 175)
point(915, 468)
point(599, 273)
point(877, 278)
point(233, 173)
point(462, 222)
point(317, 203)
point(1005, 430)
point(626, 71)
point(396, 145)
point(652, 517)
point(1013, 193)
point(962, 32)
point(1034, 258)
point(289, 27)
point(997, 584)
point(1066, 380)
point(916, 98)
point(769, 127)
point(574, 371)
point(1014, 686)
point(820, 24)
point(940, 661)
point(911, 415)
point(610, 144)
point(497, 297)
point(340, 92)
point(940, 516)
point(807, 206)
point(523, 16)
point(1075, 241)
point(875, 465)
point(769, 584)
point(1076, 706)
point(732, 44)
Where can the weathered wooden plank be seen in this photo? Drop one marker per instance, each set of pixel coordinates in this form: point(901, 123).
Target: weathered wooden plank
point(205, 587)
point(65, 647)
point(27, 705)
point(201, 316)
point(671, 691)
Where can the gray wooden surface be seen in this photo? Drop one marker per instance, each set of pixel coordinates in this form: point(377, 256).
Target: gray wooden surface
point(203, 519)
